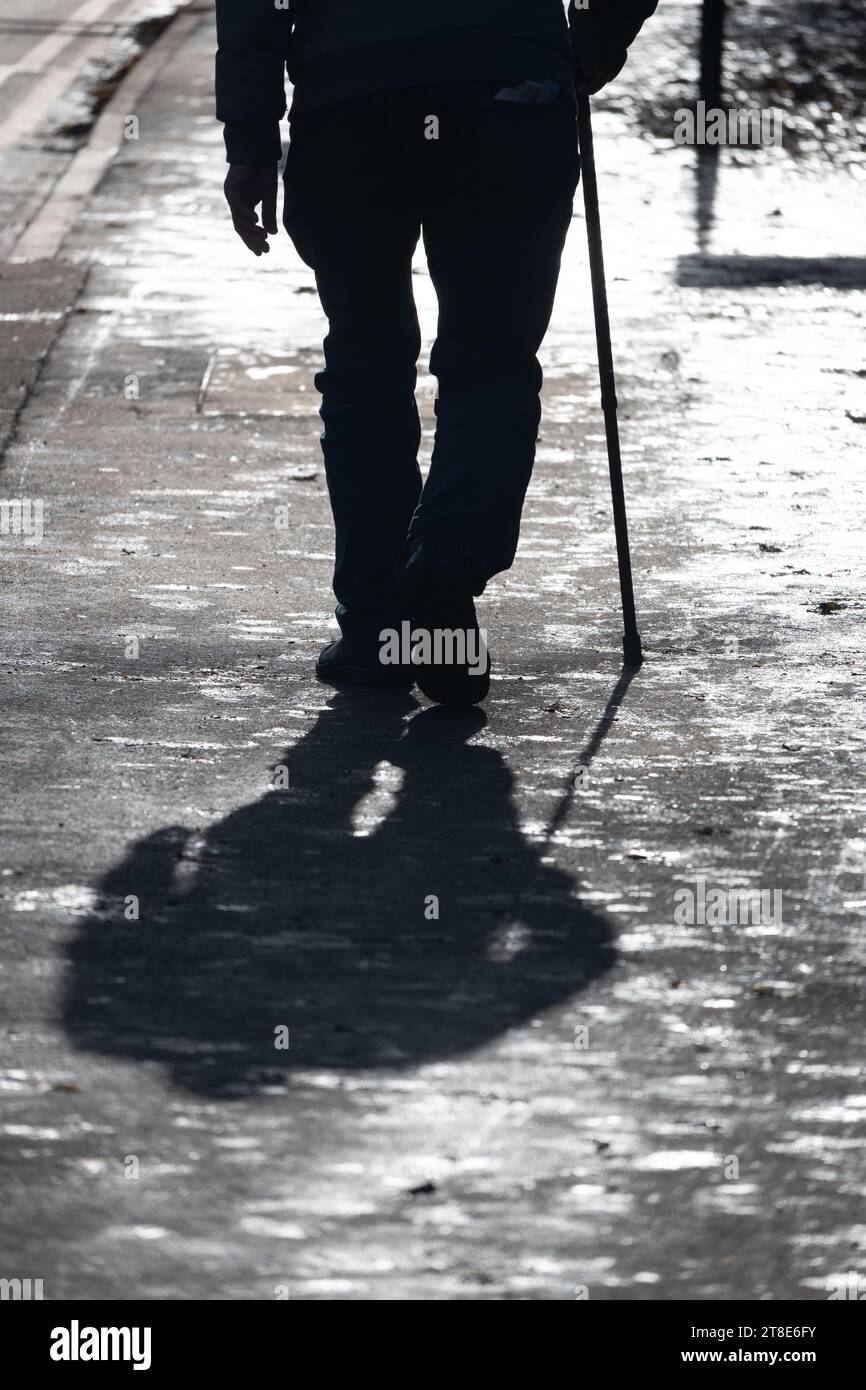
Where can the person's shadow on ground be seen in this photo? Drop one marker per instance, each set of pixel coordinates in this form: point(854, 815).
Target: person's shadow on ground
point(285, 917)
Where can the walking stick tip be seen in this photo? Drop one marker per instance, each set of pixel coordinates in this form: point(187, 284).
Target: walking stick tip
point(632, 649)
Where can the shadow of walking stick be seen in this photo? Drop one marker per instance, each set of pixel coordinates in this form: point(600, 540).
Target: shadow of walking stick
point(600, 733)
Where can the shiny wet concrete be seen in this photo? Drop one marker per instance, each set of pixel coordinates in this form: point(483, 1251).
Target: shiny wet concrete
point(513, 1071)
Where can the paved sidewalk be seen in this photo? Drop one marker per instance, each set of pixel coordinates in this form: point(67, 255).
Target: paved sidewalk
point(555, 1085)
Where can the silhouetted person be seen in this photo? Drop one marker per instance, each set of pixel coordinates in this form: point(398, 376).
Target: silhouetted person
point(455, 120)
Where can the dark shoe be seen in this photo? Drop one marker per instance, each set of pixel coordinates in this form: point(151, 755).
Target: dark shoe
point(436, 592)
point(342, 664)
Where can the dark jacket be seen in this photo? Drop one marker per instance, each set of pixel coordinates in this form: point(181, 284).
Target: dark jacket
point(336, 49)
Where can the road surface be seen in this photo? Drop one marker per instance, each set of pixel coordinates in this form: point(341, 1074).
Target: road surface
point(349, 998)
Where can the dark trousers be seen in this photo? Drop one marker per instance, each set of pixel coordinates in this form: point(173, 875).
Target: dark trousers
point(493, 198)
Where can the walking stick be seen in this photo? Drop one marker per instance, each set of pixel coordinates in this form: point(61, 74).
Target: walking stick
point(631, 643)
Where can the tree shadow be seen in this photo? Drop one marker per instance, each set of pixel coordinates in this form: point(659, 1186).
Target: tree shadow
point(313, 909)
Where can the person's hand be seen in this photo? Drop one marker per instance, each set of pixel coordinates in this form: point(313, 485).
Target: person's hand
point(247, 186)
point(591, 77)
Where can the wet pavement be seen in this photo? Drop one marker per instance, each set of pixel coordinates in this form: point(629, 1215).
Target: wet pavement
point(346, 997)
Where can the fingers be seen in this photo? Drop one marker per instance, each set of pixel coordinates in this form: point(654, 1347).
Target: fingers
point(245, 188)
point(250, 231)
point(248, 228)
point(593, 79)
